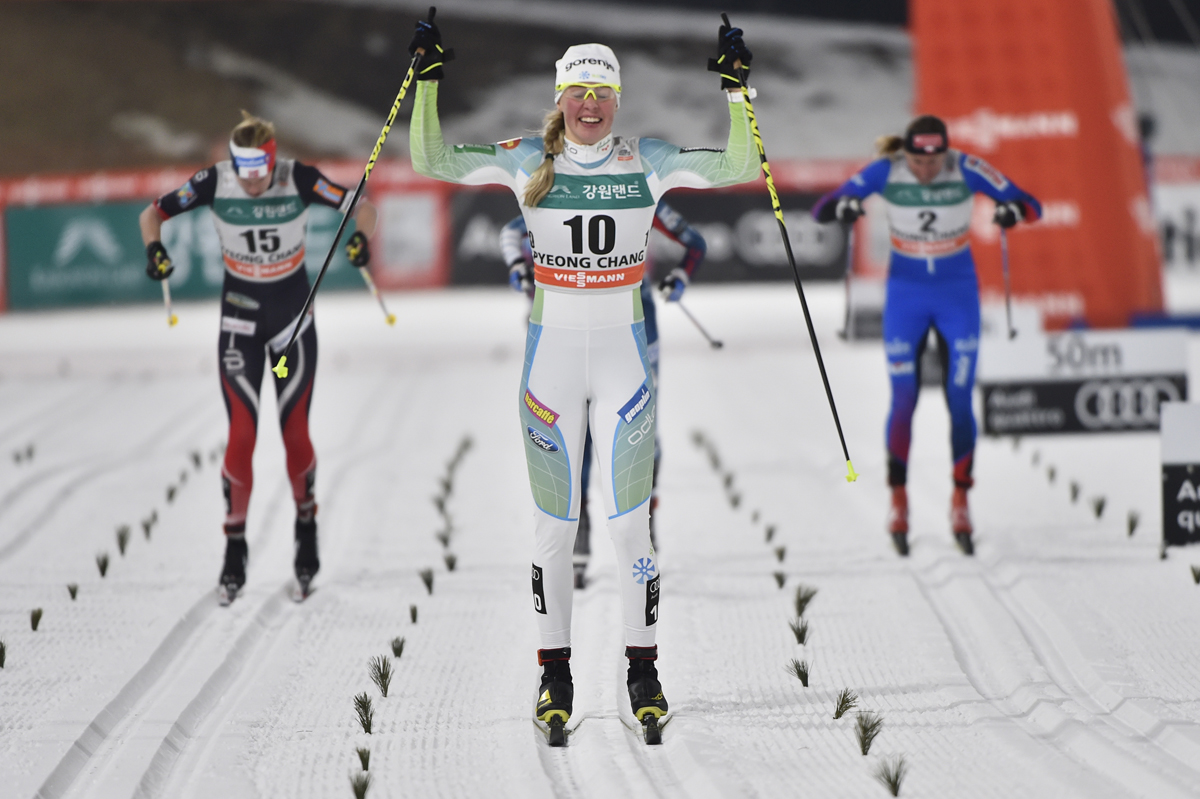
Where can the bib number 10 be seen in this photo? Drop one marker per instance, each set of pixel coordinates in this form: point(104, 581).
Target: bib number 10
point(601, 230)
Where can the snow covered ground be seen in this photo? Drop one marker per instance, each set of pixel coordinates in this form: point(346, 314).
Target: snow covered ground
point(1061, 661)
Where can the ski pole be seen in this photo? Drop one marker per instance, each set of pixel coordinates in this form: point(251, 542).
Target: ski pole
point(280, 369)
point(172, 319)
point(851, 476)
point(1012, 333)
point(390, 318)
point(716, 344)
point(844, 333)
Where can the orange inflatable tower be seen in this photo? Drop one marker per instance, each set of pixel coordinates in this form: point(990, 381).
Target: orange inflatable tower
point(1039, 90)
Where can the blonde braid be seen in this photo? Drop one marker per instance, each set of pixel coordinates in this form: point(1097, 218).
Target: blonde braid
point(888, 145)
point(542, 179)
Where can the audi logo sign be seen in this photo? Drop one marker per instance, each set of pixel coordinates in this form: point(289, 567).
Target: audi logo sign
point(1081, 381)
point(1121, 404)
point(1075, 406)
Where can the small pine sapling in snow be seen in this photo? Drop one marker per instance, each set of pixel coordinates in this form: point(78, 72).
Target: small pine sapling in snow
point(847, 700)
point(1051, 473)
point(365, 711)
point(72, 589)
point(364, 757)
point(1132, 521)
point(1037, 457)
point(444, 537)
point(735, 499)
point(1098, 506)
point(780, 578)
point(102, 563)
point(197, 461)
point(1074, 491)
point(35, 618)
point(3, 652)
point(866, 729)
point(729, 480)
point(182, 479)
point(381, 673)
point(780, 553)
point(799, 629)
point(451, 561)
point(412, 613)
point(804, 595)
point(799, 668)
point(170, 494)
point(122, 538)
point(1196, 574)
point(754, 517)
point(770, 532)
point(360, 782)
point(427, 578)
point(698, 438)
point(447, 488)
point(439, 502)
point(398, 645)
point(146, 525)
point(891, 774)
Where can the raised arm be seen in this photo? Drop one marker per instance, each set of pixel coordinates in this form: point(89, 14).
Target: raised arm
point(470, 164)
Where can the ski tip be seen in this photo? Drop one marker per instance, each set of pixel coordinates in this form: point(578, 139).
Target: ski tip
point(851, 475)
point(391, 319)
point(280, 369)
point(558, 732)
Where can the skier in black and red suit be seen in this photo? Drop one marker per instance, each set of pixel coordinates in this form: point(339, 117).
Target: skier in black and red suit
point(260, 208)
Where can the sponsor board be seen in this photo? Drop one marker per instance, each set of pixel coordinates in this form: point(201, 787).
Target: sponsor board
point(1081, 381)
point(1181, 473)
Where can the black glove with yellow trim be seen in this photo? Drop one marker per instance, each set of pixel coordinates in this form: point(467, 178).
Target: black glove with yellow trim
point(428, 38)
point(358, 250)
point(730, 48)
point(158, 263)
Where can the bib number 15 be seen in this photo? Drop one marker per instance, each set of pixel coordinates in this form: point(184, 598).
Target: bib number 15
point(601, 234)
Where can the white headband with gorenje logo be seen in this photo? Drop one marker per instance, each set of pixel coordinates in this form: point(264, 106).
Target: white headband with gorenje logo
point(587, 65)
point(253, 162)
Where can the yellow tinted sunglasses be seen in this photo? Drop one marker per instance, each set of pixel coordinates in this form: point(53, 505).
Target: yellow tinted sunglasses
point(600, 92)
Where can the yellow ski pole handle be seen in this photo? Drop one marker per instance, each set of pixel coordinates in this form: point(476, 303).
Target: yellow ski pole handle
point(172, 319)
point(280, 369)
point(366, 276)
point(851, 475)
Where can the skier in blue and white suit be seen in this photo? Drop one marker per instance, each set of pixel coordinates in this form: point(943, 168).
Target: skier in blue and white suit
point(928, 190)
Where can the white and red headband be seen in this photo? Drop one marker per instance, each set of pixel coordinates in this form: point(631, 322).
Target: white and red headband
point(253, 162)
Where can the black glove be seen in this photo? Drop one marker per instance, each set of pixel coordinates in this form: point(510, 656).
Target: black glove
point(730, 48)
point(358, 250)
point(428, 38)
point(1008, 214)
point(158, 263)
point(848, 210)
point(520, 276)
point(673, 285)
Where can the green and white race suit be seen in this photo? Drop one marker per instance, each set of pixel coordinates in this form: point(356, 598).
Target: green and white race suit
point(585, 356)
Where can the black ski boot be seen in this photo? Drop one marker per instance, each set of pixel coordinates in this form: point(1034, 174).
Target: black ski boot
point(556, 693)
point(307, 563)
point(645, 691)
point(583, 547)
point(233, 573)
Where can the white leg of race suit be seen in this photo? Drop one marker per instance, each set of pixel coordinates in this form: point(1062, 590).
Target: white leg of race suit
point(571, 372)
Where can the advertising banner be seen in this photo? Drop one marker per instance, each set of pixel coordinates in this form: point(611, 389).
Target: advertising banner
point(1181, 473)
point(1039, 90)
point(1081, 381)
point(77, 254)
point(739, 229)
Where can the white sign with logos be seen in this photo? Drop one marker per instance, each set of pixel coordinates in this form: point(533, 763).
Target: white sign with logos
point(1180, 473)
point(1080, 381)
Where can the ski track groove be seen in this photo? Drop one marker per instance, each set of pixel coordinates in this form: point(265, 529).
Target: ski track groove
point(1030, 703)
point(149, 445)
point(88, 750)
point(224, 689)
